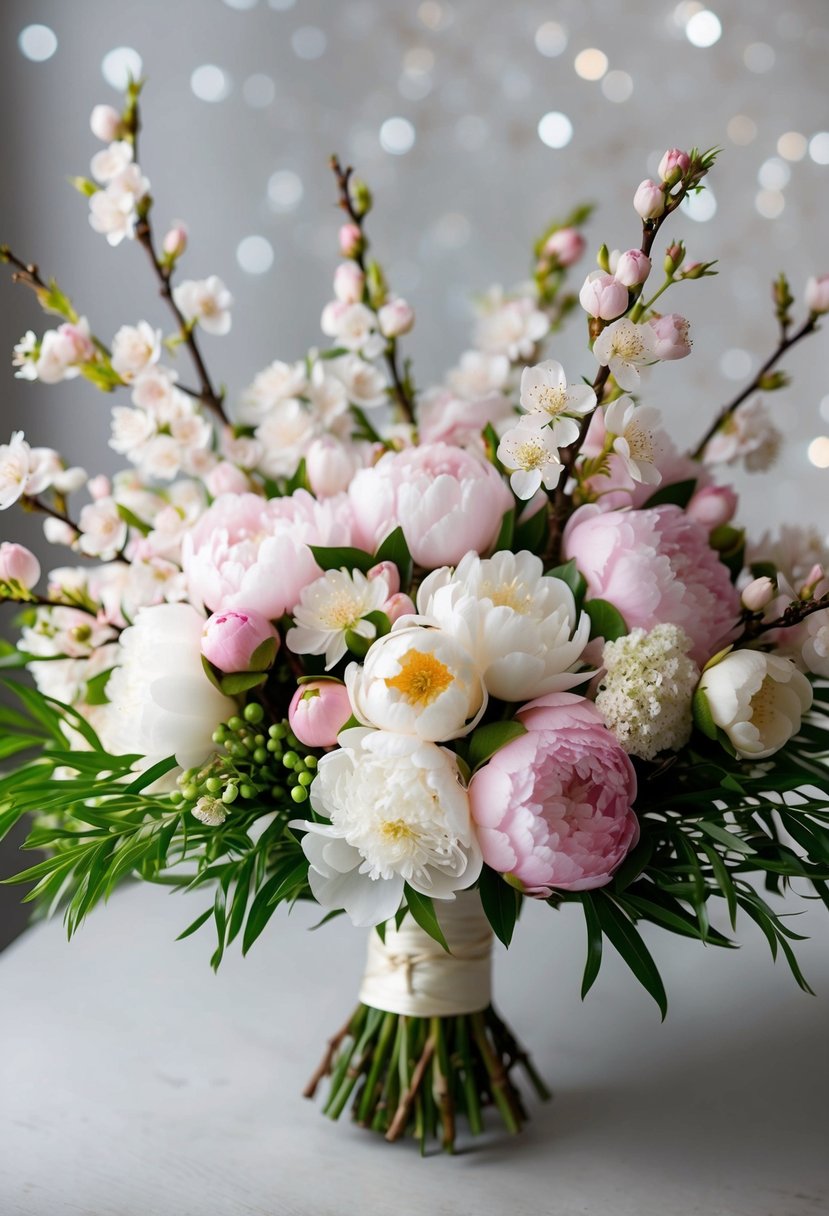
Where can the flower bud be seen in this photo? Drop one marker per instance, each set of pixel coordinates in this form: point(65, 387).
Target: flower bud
point(318, 712)
point(105, 122)
point(239, 640)
point(673, 166)
point(351, 240)
point(226, 478)
point(57, 532)
point(673, 258)
point(771, 381)
point(649, 200)
point(349, 282)
point(399, 605)
point(99, 487)
point(361, 198)
point(175, 241)
point(817, 294)
point(389, 572)
point(693, 270)
point(813, 579)
point(632, 268)
point(758, 594)
point(18, 565)
point(329, 466)
point(395, 318)
point(566, 246)
point(603, 296)
point(713, 506)
point(671, 333)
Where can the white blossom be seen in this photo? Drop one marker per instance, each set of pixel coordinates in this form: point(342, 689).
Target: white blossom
point(275, 383)
point(546, 394)
point(365, 385)
point(635, 431)
point(477, 375)
point(134, 349)
point(21, 471)
point(102, 531)
point(284, 435)
point(24, 356)
point(353, 326)
point(333, 606)
point(511, 327)
point(529, 450)
point(748, 434)
point(206, 301)
point(110, 162)
point(625, 348)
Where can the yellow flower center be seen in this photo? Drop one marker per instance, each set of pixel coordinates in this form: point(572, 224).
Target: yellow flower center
point(640, 442)
point(762, 704)
point(421, 679)
point(531, 454)
point(550, 400)
point(395, 830)
point(508, 595)
point(341, 612)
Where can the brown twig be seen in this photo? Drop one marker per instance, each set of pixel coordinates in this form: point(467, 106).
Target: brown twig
point(324, 1067)
point(26, 273)
point(786, 342)
point(346, 203)
point(30, 503)
point(796, 613)
point(401, 1115)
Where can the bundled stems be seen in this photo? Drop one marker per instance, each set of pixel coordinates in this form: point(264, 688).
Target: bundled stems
point(422, 1075)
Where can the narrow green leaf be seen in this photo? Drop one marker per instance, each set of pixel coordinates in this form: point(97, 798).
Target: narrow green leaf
point(195, 925)
point(395, 549)
point(422, 910)
point(506, 531)
point(735, 843)
point(342, 558)
point(626, 939)
point(500, 902)
point(593, 961)
point(531, 534)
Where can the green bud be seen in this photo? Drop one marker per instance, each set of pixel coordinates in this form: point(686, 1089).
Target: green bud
point(219, 735)
point(235, 724)
point(603, 259)
point(213, 785)
point(277, 731)
point(260, 756)
point(310, 762)
point(360, 196)
point(773, 381)
point(290, 759)
point(247, 791)
point(84, 186)
point(230, 794)
point(299, 793)
point(254, 713)
point(305, 778)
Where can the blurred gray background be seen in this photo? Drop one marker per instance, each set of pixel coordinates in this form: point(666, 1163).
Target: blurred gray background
point(442, 106)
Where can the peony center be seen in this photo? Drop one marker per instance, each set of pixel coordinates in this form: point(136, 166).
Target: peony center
point(421, 679)
point(762, 704)
point(395, 831)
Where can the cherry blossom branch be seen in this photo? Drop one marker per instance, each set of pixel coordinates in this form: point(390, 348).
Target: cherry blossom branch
point(402, 389)
point(31, 503)
point(43, 601)
point(787, 341)
point(796, 612)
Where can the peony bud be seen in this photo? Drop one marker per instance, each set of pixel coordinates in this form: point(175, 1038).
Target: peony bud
point(758, 594)
point(817, 294)
point(318, 712)
point(399, 605)
point(349, 283)
point(329, 466)
point(757, 699)
point(18, 565)
point(649, 200)
point(57, 532)
point(673, 166)
point(105, 122)
point(175, 242)
point(671, 333)
point(632, 268)
point(239, 640)
point(351, 240)
point(566, 246)
point(226, 478)
point(395, 318)
point(713, 506)
point(389, 572)
point(603, 296)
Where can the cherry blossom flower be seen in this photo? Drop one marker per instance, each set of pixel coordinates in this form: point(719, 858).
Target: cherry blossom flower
point(546, 393)
point(529, 450)
point(205, 301)
point(625, 347)
point(635, 430)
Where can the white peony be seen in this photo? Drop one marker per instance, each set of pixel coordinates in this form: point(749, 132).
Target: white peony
point(757, 699)
point(520, 626)
point(398, 814)
point(417, 681)
point(332, 606)
point(160, 701)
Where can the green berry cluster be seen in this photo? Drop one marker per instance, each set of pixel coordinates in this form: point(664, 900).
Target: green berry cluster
point(257, 762)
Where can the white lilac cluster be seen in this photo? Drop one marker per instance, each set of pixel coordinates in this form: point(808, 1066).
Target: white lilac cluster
point(646, 691)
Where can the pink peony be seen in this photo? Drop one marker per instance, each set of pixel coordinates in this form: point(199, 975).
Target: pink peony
point(446, 500)
point(230, 640)
point(655, 566)
point(318, 712)
point(553, 808)
point(444, 418)
point(252, 553)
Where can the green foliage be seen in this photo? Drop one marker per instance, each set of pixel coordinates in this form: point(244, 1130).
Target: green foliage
point(679, 493)
point(605, 621)
point(501, 903)
point(394, 549)
point(575, 580)
point(487, 740)
point(422, 910)
point(342, 558)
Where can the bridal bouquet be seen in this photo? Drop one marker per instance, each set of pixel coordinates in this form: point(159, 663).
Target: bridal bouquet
point(418, 656)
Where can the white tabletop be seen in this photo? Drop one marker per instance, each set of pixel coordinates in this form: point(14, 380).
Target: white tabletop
point(134, 1082)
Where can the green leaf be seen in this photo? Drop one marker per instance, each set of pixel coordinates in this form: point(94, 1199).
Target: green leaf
point(569, 574)
point(195, 925)
point(151, 774)
point(501, 903)
point(605, 621)
point(626, 939)
point(342, 558)
point(423, 913)
point(506, 531)
point(241, 681)
point(679, 494)
point(278, 887)
point(724, 837)
point(593, 961)
point(487, 740)
point(395, 549)
point(703, 718)
point(129, 517)
point(264, 655)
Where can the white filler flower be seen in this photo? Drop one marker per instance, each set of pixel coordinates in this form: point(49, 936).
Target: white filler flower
point(160, 701)
point(520, 626)
point(646, 692)
point(399, 814)
point(757, 699)
point(419, 682)
point(333, 606)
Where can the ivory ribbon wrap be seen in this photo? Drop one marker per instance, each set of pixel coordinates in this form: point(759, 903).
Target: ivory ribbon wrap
point(411, 974)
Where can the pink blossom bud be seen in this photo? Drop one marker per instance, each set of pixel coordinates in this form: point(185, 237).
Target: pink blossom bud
point(318, 712)
point(349, 282)
point(633, 268)
point(671, 333)
point(758, 594)
point(566, 246)
point(398, 605)
point(693, 270)
point(175, 241)
point(674, 165)
point(813, 579)
point(351, 240)
point(231, 639)
point(105, 122)
point(57, 532)
point(603, 296)
point(389, 572)
point(649, 201)
point(329, 466)
point(99, 487)
point(226, 478)
point(713, 506)
point(18, 565)
point(817, 294)
point(395, 318)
